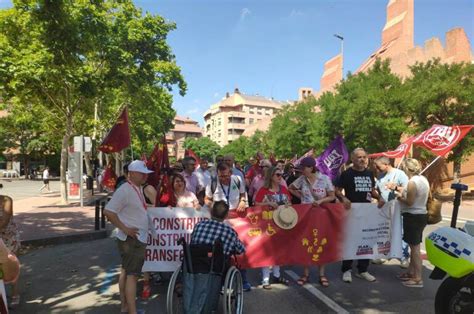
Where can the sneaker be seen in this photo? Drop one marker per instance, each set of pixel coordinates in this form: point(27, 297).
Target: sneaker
point(266, 284)
point(246, 286)
point(347, 276)
point(404, 263)
point(365, 275)
point(378, 261)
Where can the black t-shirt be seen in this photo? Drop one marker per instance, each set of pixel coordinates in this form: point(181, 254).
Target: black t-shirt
point(357, 185)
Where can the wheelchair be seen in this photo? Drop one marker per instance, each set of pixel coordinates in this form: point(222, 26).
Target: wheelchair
point(196, 286)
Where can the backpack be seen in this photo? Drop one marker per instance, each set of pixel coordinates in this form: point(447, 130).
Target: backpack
point(214, 184)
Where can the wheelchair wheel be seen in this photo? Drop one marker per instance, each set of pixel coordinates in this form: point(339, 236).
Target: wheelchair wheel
point(174, 297)
point(233, 292)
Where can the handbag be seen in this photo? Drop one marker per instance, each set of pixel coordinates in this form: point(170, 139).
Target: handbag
point(433, 206)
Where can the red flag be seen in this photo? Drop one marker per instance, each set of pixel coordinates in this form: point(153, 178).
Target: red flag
point(272, 159)
point(110, 178)
point(315, 240)
point(159, 163)
point(402, 150)
point(189, 152)
point(118, 137)
point(441, 139)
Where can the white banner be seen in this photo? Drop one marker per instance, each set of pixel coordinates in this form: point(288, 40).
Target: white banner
point(167, 226)
point(372, 232)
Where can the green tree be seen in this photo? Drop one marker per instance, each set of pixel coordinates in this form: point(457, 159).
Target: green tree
point(204, 147)
point(296, 129)
point(438, 93)
point(70, 56)
point(245, 147)
point(367, 109)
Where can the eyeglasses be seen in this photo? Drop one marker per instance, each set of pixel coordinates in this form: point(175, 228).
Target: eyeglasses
point(278, 174)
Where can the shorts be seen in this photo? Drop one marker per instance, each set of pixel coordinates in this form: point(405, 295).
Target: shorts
point(46, 181)
point(132, 252)
point(413, 225)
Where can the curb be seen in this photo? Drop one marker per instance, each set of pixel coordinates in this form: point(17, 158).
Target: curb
point(68, 238)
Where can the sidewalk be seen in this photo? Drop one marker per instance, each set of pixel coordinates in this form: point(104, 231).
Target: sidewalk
point(43, 221)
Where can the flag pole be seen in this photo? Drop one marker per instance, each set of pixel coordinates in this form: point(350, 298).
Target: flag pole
point(400, 163)
point(431, 163)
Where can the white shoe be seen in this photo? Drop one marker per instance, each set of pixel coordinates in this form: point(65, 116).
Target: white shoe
point(347, 276)
point(378, 261)
point(404, 263)
point(365, 275)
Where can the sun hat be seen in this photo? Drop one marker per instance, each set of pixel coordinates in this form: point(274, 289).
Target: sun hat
point(285, 217)
point(308, 162)
point(138, 166)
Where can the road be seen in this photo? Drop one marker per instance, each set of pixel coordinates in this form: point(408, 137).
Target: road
point(82, 277)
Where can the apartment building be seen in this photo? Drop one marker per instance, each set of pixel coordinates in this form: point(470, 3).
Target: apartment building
point(183, 128)
point(227, 120)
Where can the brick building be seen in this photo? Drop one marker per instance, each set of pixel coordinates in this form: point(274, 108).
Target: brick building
point(183, 128)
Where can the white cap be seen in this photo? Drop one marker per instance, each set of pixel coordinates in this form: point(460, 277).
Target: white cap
point(138, 166)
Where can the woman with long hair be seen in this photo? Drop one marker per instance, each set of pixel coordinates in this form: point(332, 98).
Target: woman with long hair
point(273, 194)
point(413, 200)
point(313, 187)
point(179, 196)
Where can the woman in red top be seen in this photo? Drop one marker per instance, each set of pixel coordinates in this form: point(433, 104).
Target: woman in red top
point(273, 194)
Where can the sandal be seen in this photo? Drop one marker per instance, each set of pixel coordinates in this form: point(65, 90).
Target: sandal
point(15, 300)
point(404, 276)
point(413, 283)
point(323, 280)
point(302, 281)
point(281, 280)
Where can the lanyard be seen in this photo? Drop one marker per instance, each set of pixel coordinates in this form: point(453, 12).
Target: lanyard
point(228, 191)
point(140, 195)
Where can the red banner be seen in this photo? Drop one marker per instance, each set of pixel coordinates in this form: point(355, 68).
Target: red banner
point(118, 137)
point(440, 139)
point(402, 150)
point(110, 178)
point(159, 163)
point(315, 240)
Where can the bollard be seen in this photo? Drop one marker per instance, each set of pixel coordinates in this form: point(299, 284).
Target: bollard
point(97, 214)
point(102, 207)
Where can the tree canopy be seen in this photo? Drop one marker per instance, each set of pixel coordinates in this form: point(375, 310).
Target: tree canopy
point(204, 147)
point(68, 57)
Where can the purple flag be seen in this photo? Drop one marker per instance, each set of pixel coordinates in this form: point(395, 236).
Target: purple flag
point(331, 160)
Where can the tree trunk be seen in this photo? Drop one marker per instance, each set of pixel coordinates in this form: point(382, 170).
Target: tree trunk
point(89, 168)
point(64, 158)
point(456, 170)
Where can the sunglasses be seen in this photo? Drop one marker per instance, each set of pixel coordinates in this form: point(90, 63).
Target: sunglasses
point(278, 174)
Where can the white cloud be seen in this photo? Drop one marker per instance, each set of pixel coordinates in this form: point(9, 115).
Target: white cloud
point(244, 13)
point(216, 95)
point(192, 111)
point(296, 13)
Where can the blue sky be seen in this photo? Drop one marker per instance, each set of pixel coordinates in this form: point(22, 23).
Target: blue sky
point(273, 47)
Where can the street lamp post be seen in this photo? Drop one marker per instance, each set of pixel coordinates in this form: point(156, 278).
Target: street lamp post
point(342, 51)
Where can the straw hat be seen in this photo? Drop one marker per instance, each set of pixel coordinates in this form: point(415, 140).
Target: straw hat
point(285, 217)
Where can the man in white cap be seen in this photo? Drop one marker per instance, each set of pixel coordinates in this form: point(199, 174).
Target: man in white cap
point(128, 212)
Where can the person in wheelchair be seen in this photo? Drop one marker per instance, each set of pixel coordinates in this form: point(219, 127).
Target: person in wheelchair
point(207, 261)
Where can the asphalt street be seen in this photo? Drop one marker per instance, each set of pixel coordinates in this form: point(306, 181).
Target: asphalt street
point(82, 278)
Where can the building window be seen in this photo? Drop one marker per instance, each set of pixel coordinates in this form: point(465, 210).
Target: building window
point(250, 120)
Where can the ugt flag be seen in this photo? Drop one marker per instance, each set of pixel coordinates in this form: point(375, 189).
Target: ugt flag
point(331, 160)
point(441, 139)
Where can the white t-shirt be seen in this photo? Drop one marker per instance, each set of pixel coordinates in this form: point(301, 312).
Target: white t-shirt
point(45, 174)
point(128, 203)
point(319, 188)
point(229, 194)
point(186, 200)
point(204, 177)
point(422, 192)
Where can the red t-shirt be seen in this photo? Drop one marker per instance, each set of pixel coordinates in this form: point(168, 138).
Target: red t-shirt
point(278, 197)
